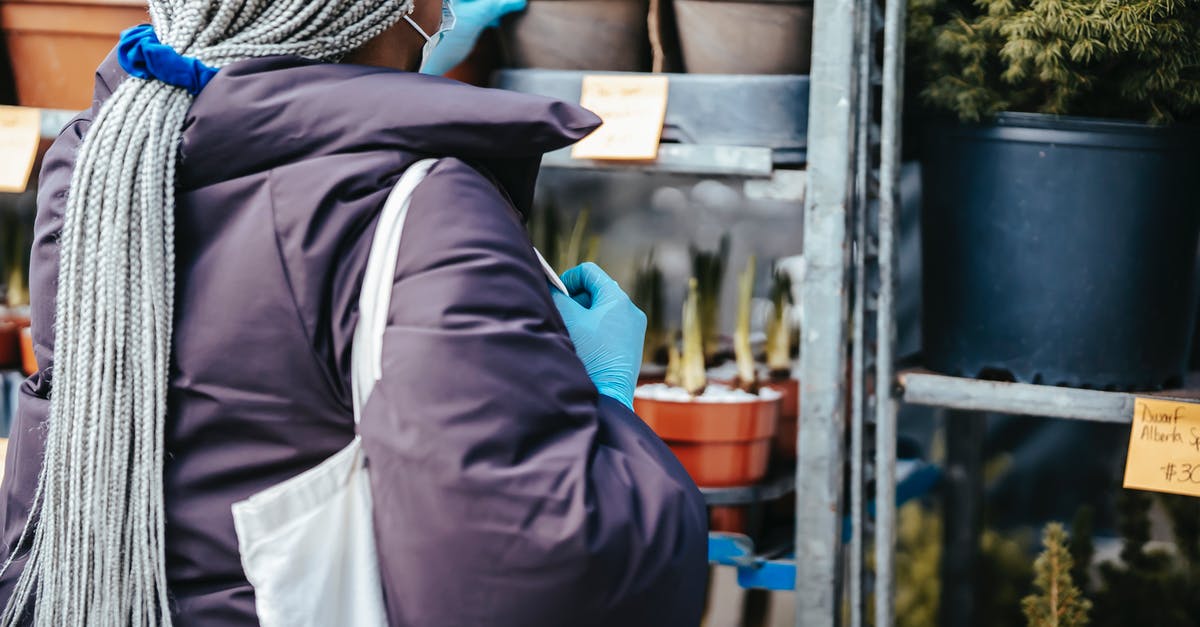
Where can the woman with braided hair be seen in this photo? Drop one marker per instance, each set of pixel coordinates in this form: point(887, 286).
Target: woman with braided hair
point(201, 240)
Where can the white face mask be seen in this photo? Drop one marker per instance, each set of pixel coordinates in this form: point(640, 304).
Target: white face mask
point(432, 41)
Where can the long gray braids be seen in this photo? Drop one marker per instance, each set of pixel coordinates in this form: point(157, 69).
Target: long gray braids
point(95, 536)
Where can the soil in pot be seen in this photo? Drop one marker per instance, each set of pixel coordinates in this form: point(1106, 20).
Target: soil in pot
point(596, 35)
point(1060, 251)
point(56, 45)
point(722, 437)
point(745, 37)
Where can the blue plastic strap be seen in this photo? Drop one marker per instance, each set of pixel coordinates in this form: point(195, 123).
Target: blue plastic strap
point(142, 55)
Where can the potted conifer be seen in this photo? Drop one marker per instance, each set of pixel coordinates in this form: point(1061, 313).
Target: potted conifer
point(1060, 191)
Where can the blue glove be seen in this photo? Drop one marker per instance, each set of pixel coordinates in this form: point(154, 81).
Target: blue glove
point(608, 330)
point(471, 18)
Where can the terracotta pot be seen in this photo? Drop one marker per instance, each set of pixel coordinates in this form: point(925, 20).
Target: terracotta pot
point(595, 35)
point(56, 45)
point(719, 444)
point(728, 518)
point(10, 344)
point(745, 37)
point(28, 359)
point(789, 417)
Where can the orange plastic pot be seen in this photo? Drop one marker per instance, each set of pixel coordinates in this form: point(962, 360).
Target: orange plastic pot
point(789, 417)
point(28, 359)
point(719, 444)
point(56, 45)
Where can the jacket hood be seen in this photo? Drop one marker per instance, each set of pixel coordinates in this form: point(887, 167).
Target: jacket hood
point(262, 113)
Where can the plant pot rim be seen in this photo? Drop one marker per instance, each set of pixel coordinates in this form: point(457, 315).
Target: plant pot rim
point(1042, 128)
point(774, 397)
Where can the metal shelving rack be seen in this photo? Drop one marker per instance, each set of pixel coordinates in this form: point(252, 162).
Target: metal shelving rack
point(849, 195)
point(847, 305)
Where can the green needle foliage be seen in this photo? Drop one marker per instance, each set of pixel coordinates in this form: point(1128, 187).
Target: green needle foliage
point(1130, 59)
point(1057, 602)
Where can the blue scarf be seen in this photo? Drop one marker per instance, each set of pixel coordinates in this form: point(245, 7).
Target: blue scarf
point(141, 54)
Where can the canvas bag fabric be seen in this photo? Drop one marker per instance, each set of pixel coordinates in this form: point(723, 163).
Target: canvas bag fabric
point(307, 545)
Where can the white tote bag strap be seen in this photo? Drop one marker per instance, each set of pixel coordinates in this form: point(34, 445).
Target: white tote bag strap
point(375, 299)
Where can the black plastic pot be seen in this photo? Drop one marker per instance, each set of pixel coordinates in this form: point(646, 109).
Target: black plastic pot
point(1060, 251)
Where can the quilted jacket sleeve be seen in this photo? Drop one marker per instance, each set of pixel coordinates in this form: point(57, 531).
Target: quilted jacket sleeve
point(507, 491)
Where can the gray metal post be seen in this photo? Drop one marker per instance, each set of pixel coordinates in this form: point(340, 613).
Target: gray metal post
point(894, 24)
point(963, 499)
point(821, 368)
point(860, 353)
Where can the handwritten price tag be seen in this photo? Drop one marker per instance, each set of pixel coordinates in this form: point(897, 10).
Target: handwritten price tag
point(633, 109)
point(1164, 447)
point(20, 133)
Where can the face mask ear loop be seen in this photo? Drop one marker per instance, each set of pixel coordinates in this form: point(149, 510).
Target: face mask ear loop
point(414, 24)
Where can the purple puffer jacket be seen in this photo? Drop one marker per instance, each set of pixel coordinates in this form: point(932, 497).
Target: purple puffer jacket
point(507, 492)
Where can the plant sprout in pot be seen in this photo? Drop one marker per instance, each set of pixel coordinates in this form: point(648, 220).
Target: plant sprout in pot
point(722, 435)
point(563, 247)
point(648, 296)
point(1043, 234)
point(708, 269)
point(779, 364)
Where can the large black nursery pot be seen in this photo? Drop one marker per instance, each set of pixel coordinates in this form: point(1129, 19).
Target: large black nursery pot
point(1060, 251)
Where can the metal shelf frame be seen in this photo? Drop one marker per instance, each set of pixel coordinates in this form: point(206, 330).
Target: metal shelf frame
point(847, 300)
point(925, 388)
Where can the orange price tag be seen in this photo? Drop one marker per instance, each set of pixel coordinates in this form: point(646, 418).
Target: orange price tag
point(1164, 447)
point(20, 134)
point(633, 109)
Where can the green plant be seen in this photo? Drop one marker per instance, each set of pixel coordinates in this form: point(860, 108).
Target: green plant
point(1005, 575)
point(1146, 587)
point(1184, 512)
point(563, 248)
point(708, 267)
point(1058, 602)
point(648, 295)
point(692, 374)
point(742, 352)
point(1082, 549)
point(1132, 59)
point(918, 565)
point(779, 326)
point(16, 246)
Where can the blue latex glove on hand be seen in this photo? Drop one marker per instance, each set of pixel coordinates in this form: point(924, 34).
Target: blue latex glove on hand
point(472, 17)
point(608, 330)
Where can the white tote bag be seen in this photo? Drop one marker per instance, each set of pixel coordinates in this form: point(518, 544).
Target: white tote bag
point(307, 544)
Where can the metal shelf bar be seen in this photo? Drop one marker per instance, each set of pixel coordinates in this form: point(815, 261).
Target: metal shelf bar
point(892, 109)
point(698, 159)
point(769, 490)
point(925, 388)
point(823, 304)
